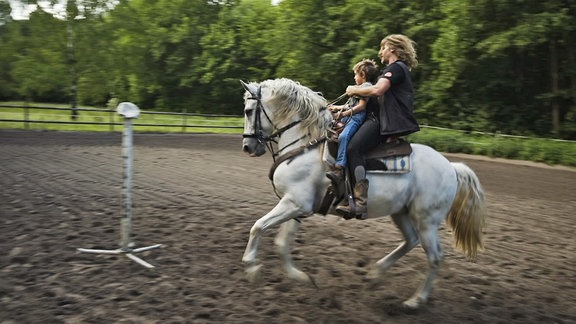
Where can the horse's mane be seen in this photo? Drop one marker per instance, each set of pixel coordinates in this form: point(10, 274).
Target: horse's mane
point(288, 97)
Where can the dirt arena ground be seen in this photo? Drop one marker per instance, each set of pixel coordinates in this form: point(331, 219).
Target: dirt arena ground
point(198, 196)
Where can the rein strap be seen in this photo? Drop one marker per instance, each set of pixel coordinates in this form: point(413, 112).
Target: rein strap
point(283, 129)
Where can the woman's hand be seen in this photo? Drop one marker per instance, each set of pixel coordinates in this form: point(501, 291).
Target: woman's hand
point(351, 90)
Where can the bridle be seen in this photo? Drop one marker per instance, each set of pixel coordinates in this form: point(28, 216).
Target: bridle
point(258, 133)
point(267, 141)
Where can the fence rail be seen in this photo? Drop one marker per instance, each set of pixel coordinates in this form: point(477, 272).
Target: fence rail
point(152, 120)
point(27, 116)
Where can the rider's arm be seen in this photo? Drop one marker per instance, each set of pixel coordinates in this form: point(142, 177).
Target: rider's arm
point(376, 90)
point(356, 109)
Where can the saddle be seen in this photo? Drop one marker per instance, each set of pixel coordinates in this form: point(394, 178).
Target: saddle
point(389, 157)
point(392, 157)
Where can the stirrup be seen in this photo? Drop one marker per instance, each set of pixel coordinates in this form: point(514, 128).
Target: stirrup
point(344, 211)
point(349, 212)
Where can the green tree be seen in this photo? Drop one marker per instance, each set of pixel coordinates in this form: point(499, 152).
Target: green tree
point(492, 58)
point(7, 54)
point(5, 11)
point(308, 48)
point(39, 69)
point(156, 43)
point(237, 46)
point(484, 64)
point(545, 32)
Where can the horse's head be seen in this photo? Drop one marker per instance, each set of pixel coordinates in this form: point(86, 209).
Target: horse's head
point(256, 128)
point(275, 106)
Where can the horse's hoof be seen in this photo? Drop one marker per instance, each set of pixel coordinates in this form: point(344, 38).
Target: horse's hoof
point(375, 275)
point(253, 273)
point(302, 277)
point(374, 284)
point(412, 303)
point(374, 279)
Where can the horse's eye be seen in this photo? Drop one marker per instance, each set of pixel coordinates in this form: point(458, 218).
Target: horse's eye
point(248, 112)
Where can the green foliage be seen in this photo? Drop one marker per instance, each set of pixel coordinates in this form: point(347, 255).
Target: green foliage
point(36, 58)
point(443, 140)
point(501, 146)
point(4, 12)
point(494, 66)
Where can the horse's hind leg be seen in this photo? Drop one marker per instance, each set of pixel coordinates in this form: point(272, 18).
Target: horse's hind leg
point(404, 224)
point(283, 240)
point(431, 245)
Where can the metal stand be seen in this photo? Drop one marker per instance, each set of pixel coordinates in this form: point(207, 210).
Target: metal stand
point(129, 111)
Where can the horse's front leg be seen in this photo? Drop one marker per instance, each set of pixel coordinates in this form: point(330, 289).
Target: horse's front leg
point(285, 210)
point(283, 241)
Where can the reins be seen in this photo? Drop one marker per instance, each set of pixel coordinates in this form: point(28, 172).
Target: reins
point(335, 127)
point(337, 99)
point(267, 140)
point(290, 155)
point(295, 152)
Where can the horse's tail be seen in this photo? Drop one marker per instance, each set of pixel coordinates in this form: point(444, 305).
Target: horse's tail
point(467, 214)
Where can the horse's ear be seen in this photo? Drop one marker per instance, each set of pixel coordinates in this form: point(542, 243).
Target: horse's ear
point(250, 88)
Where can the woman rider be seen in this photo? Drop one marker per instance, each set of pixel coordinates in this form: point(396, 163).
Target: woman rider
point(391, 117)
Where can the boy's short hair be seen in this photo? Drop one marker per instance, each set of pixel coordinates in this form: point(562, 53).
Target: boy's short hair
point(370, 69)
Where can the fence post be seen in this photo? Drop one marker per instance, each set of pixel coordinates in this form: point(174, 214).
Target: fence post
point(111, 106)
point(184, 120)
point(111, 121)
point(26, 117)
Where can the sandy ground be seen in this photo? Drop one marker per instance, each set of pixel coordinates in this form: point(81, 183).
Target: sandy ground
point(198, 196)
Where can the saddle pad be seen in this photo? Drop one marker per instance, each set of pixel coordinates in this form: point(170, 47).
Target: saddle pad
point(393, 164)
point(386, 158)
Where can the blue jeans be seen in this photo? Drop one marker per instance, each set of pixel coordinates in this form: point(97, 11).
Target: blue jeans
point(347, 133)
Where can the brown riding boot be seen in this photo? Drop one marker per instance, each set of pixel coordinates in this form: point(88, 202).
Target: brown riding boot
point(359, 208)
point(361, 199)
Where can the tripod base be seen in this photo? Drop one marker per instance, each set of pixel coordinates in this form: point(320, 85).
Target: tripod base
point(128, 252)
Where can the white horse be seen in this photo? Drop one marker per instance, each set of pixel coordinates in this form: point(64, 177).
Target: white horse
point(296, 118)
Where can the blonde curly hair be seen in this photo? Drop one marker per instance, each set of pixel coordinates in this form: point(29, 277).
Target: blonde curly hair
point(403, 47)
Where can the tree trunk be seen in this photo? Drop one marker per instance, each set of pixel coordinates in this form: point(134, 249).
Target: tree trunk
point(572, 74)
point(554, 88)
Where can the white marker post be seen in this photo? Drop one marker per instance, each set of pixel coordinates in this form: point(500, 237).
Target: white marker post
point(129, 111)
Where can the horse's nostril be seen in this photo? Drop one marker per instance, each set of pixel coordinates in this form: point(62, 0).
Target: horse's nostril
point(245, 148)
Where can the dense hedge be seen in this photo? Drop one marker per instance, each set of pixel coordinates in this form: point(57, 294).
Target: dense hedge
point(494, 145)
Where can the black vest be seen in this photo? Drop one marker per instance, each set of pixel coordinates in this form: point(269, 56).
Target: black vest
point(397, 107)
